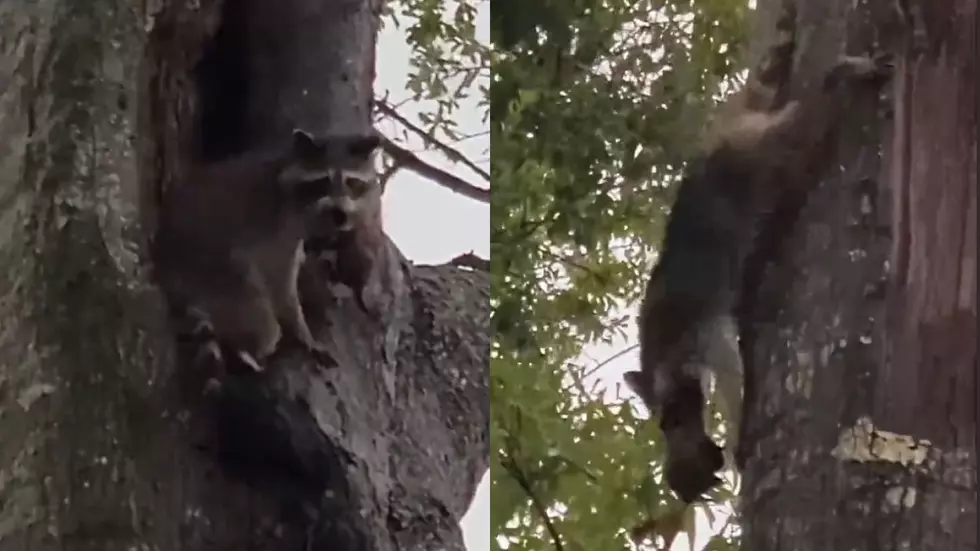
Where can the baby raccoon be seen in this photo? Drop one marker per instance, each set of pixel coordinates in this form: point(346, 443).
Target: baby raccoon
point(229, 244)
point(347, 240)
point(758, 150)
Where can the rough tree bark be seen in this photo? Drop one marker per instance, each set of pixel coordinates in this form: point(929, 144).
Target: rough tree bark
point(106, 440)
point(862, 350)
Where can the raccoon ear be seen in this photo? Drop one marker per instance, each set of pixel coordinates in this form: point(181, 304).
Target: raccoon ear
point(633, 380)
point(305, 145)
point(363, 146)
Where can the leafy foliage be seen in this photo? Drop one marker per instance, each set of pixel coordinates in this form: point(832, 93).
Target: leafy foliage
point(449, 62)
point(593, 106)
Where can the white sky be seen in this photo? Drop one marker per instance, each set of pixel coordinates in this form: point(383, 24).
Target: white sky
point(429, 223)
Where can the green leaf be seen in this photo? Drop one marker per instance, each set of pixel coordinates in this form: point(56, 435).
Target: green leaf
point(594, 107)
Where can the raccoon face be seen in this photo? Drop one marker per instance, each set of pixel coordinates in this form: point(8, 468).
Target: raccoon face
point(330, 172)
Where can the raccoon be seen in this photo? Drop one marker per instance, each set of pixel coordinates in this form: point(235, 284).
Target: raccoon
point(348, 238)
point(230, 242)
point(762, 145)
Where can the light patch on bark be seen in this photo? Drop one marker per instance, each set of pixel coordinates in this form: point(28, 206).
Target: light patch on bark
point(900, 497)
point(33, 393)
point(22, 496)
point(825, 354)
point(800, 380)
point(863, 442)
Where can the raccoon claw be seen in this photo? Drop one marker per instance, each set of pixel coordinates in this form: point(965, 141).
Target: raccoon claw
point(875, 67)
point(885, 58)
point(202, 323)
point(884, 65)
point(209, 350)
point(250, 361)
point(202, 328)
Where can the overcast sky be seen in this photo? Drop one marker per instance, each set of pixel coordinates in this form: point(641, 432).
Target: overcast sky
point(429, 223)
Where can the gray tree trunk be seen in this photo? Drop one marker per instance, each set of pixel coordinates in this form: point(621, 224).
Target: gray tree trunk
point(106, 439)
point(861, 419)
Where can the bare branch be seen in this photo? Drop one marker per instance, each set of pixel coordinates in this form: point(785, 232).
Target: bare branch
point(453, 154)
point(609, 360)
point(470, 260)
point(464, 137)
point(509, 463)
point(404, 158)
point(536, 503)
point(572, 262)
point(387, 174)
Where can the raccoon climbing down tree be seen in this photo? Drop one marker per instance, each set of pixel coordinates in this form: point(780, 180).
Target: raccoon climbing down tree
point(761, 146)
point(229, 244)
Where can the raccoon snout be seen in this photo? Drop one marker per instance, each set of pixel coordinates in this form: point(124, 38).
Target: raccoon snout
point(340, 219)
point(338, 212)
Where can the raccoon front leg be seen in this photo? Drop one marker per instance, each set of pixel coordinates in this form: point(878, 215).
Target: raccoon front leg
point(805, 129)
point(290, 308)
point(741, 118)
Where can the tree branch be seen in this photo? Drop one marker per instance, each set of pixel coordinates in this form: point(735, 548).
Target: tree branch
point(450, 152)
point(610, 359)
point(470, 260)
point(406, 159)
point(510, 464)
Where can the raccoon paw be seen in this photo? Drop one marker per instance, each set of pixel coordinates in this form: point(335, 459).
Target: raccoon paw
point(210, 350)
point(198, 323)
point(202, 328)
point(249, 360)
point(876, 68)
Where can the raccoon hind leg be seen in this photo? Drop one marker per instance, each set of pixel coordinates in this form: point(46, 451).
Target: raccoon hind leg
point(244, 322)
point(769, 87)
point(745, 117)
